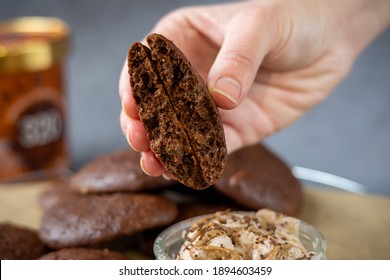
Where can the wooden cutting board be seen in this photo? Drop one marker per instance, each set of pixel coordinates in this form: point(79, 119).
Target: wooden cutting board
point(355, 226)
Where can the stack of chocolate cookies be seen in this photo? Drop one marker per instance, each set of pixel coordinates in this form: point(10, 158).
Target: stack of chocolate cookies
point(110, 209)
point(111, 204)
point(105, 205)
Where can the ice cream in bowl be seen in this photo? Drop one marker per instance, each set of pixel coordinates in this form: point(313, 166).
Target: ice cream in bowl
point(240, 235)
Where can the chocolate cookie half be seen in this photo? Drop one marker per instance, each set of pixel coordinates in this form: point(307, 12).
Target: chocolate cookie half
point(256, 178)
point(180, 117)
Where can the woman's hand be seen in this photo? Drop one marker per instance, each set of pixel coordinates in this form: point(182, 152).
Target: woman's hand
point(266, 62)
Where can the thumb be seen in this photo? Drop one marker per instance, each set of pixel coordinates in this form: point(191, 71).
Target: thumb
point(236, 65)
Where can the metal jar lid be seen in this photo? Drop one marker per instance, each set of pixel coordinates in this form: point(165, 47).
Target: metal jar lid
point(32, 43)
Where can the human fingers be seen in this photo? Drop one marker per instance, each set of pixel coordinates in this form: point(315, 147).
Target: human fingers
point(124, 85)
point(135, 133)
point(243, 49)
point(138, 141)
point(151, 165)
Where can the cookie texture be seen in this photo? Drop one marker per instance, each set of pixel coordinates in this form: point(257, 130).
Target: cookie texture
point(83, 254)
point(58, 191)
point(168, 140)
point(181, 119)
point(113, 172)
point(19, 243)
point(256, 178)
point(94, 219)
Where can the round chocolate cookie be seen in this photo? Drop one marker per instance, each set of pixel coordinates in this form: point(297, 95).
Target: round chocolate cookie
point(93, 219)
point(19, 243)
point(119, 171)
point(257, 178)
point(181, 119)
point(83, 254)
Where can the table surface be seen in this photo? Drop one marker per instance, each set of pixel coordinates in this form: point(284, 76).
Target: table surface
point(355, 226)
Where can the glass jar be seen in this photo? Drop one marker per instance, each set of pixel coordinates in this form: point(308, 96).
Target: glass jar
point(32, 98)
point(169, 242)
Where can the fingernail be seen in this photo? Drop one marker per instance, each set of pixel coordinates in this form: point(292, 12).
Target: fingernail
point(123, 107)
point(229, 88)
point(128, 140)
point(166, 177)
point(141, 163)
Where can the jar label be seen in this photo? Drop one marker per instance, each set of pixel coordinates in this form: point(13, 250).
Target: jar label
point(39, 134)
point(39, 128)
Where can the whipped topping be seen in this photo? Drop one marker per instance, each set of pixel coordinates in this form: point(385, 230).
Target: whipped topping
point(228, 235)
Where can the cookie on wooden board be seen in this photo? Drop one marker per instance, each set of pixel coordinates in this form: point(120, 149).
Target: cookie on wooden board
point(113, 172)
point(256, 178)
point(94, 219)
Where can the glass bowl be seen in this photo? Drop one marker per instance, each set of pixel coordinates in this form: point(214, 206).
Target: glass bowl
point(168, 243)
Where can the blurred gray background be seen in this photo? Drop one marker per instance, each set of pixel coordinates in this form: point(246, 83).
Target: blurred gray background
point(347, 135)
